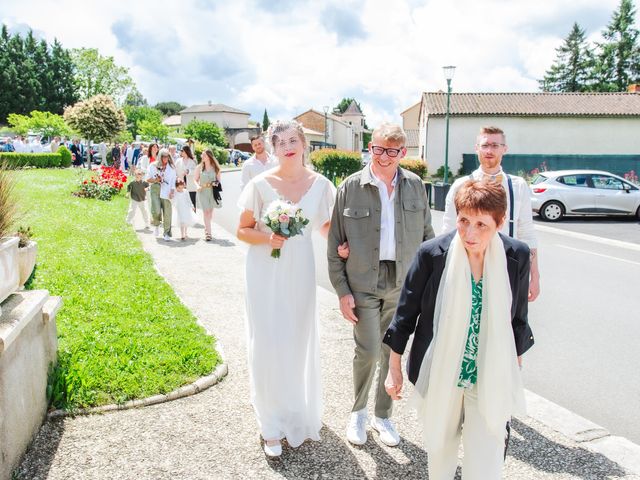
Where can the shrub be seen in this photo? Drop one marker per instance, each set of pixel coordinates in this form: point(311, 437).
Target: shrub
point(66, 156)
point(8, 205)
point(335, 163)
point(103, 184)
point(222, 155)
point(414, 165)
point(38, 160)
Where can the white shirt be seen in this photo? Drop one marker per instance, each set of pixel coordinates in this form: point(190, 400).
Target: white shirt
point(129, 155)
point(168, 178)
point(183, 165)
point(254, 167)
point(522, 214)
point(387, 217)
point(36, 147)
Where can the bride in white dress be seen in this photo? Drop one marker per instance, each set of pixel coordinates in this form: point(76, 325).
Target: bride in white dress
point(282, 325)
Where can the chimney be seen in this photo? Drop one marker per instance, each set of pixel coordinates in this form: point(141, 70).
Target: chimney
point(634, 88)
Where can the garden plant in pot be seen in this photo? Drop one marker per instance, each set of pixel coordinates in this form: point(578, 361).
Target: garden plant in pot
point(27, 253)
point(9, 276)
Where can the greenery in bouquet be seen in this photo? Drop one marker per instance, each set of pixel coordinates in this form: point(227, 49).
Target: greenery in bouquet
point(103, 184)
point(285, 219)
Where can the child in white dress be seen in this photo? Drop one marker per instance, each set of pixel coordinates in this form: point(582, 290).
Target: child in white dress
point(184, 209)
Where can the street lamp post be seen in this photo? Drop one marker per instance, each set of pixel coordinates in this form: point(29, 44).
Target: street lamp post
point(448, 75)
point(326, 110)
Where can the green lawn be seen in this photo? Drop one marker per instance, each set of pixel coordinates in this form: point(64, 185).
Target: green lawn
point(123, 333)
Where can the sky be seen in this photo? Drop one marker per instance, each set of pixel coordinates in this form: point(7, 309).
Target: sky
point(292, 55)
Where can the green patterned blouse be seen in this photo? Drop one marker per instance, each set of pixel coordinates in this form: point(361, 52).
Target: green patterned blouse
point(469, 369)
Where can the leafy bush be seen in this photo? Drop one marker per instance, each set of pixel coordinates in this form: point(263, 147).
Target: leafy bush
point(335, 163)
point(66, 156)
point(38, 160)
point(220, 153)
point(415, 165)
point(103, 184)
point(206, 132)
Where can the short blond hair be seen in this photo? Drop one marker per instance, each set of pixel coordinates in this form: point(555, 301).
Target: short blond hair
point(390, 133)
point(492, 131)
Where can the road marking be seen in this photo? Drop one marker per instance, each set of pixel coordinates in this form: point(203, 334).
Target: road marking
point(598, 254)
point(592, 238)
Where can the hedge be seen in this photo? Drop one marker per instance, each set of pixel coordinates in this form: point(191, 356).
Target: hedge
point(336, 164)
point(416, 166)
point(38, 160)
point(67, 156)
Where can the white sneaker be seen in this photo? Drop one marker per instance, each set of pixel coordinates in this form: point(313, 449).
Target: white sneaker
point(357, 428)
point(274, 450)
point(166, 238)
point(388, 434)
point(156, 230)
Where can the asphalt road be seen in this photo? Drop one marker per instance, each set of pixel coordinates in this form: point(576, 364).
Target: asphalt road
point(586, 321)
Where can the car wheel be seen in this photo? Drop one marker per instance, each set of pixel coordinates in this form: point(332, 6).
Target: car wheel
point(552, 211)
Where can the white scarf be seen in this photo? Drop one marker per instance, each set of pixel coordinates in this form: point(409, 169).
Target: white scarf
point(499, 385)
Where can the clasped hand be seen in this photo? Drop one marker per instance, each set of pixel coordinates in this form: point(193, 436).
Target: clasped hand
point(276, 241)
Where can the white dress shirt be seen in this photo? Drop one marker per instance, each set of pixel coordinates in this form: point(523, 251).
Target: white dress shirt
point(168, 183)
point(189, 165)
point(387, 217)
point(522, 214)
point(254, 167)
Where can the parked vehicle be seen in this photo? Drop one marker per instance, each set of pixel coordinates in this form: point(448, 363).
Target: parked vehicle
point(583, 192)
point(365, 156)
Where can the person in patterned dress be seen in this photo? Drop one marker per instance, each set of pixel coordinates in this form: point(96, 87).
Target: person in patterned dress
point(465, 300)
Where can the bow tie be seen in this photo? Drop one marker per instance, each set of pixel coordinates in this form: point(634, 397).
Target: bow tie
point(498, 177)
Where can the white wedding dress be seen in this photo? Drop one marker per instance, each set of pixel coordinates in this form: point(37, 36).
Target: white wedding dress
point(282, 324)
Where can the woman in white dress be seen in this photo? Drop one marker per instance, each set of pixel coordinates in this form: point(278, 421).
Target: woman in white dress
point(284, 362)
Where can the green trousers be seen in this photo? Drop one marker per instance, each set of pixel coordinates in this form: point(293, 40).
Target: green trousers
point(375, 312)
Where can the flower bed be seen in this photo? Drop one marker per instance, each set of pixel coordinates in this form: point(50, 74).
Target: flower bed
point(103, 184)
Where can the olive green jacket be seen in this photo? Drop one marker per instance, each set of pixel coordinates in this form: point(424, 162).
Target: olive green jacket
point(356, 219)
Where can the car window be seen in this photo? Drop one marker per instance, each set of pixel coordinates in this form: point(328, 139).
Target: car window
point(538, 179)
point(574, 180)
point(607, 183)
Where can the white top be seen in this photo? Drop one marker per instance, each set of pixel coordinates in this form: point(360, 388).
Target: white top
point(143, 163)
point(36, 147)
point(522, 214)
point(129, 154)
point(168, 178)
point(254, 167)
point(387, 217)
point(187, 167)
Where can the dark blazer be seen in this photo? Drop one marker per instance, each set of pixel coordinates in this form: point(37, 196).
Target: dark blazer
point(416, 306)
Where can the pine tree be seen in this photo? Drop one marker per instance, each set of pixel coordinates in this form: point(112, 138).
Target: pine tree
point(265, 121)
point(619, 55)
point(572, 69)
point(63, 91)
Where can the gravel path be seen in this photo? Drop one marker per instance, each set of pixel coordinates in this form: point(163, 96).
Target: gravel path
point(213, 435)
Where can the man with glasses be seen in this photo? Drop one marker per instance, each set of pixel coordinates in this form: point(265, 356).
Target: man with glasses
point(380, 218)
point(491, 145)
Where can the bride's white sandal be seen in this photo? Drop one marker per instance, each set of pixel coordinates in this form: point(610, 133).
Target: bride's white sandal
point(272, 448)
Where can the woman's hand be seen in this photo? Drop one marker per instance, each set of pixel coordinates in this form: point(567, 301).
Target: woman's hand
point(343, 250)
point(276, 241)
point(393, 382)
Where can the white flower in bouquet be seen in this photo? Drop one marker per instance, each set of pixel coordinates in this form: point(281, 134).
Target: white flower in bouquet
point(286, 219)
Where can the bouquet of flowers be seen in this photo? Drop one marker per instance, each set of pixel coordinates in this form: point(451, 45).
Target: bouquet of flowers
point(285, 219)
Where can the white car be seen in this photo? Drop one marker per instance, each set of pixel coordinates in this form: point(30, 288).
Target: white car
point(583, 192)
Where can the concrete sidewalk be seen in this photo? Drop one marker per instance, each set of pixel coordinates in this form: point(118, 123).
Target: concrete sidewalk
point(213, 435)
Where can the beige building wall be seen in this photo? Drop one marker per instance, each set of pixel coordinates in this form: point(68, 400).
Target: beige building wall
point(531, 135)
point(222, 119)
point(411, 117)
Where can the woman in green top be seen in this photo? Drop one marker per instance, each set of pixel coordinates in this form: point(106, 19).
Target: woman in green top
point(465, 299)
point(206, 177)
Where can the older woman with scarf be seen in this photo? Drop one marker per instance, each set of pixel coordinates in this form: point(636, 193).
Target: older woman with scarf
point(465, 301)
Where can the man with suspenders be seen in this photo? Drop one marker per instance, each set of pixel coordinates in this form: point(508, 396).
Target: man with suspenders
point(491, 145)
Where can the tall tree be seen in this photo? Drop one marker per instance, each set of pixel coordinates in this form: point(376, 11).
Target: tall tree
point(265, 121)
point(572, 69)
point(169, 108)
point(135, 98)
point(136, 115)
point(95, 75)
point(618, 62)
point(63, 92)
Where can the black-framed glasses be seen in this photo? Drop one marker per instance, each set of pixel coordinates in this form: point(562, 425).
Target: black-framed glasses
point(391, 152)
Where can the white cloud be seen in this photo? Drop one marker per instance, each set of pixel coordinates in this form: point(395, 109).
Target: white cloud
point(288, 56)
